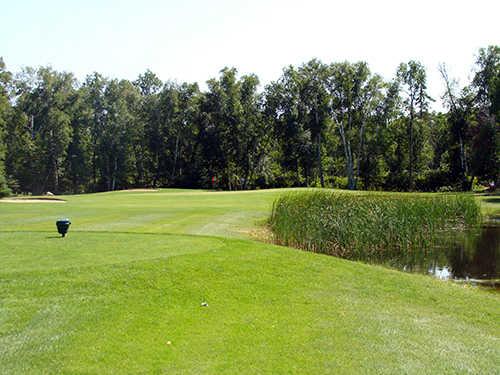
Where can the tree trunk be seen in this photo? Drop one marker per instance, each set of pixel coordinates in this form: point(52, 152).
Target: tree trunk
point(156, 176)
point(318, 152)
point(361, 145)
point(94, 167)
point(108, 175)
point(247, 172)
point(320, 162)
point(351, 180)
point(410, 150)
point(297, 171)
point(56, 176)
point(139, 166)
point(351, 183)
point(113, 184)
point(176, 151)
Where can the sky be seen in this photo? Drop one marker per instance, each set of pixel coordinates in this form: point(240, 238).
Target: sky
point(192, 40)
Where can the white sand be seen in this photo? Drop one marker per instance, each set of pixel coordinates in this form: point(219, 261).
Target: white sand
point(31, 200)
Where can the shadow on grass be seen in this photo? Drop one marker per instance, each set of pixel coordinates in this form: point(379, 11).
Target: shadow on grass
point(492, 200)
point(118, 232)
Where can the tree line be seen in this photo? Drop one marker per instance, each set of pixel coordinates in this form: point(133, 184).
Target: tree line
point(332, 125)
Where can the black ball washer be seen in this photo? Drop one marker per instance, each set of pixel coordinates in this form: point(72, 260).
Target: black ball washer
point(63, 226)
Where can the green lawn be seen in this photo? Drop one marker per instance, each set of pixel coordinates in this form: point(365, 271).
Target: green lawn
point(490, 205)
point(122, 294)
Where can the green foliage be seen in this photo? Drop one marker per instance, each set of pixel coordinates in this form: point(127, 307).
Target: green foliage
point(5, 109)
point(340, 183)
point(234, 138)
point(314, 126)
point(413, 79)
point(4, 189)
point(368, 226)
point(45, 98)
point(356, 106)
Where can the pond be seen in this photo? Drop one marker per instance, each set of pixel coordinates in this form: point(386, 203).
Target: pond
point(473, 256)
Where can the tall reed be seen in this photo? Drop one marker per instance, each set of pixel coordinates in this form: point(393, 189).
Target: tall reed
point(371, 225)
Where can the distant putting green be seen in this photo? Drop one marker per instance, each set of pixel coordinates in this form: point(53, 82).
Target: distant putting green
point(123, 294)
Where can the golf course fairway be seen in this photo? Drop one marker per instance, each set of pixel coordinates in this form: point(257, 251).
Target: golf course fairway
point(172, 281)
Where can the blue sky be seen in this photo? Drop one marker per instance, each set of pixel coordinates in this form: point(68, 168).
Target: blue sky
point(192, 40)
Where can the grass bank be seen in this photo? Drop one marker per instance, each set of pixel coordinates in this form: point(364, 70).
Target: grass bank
point(368, 225)
point(122, 294)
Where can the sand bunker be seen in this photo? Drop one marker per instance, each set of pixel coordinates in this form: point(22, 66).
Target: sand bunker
point(32, 200)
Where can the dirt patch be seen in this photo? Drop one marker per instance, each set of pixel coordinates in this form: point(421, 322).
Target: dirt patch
point(261, 233)
point(32, 200)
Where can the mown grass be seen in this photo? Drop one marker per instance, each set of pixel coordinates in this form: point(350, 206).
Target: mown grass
point(490, 205)
point(122, 294)
point(368, 226)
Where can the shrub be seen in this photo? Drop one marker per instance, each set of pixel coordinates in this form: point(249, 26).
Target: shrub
point(339, 182)
point(4, 189)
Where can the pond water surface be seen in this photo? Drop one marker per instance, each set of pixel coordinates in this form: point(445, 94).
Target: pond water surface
point(473, 256)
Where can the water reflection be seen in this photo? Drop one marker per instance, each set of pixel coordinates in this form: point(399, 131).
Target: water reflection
point(443, 273)
point(474, 255)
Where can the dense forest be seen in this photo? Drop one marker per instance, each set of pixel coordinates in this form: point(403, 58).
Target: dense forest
point(333, 125)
